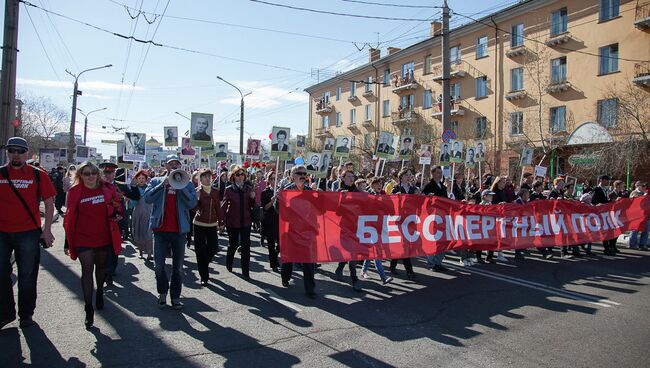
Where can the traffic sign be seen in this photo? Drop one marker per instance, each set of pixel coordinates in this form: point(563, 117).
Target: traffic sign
point(448, 135)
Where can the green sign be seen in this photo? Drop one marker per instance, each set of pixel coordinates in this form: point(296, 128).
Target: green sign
point(583, 160)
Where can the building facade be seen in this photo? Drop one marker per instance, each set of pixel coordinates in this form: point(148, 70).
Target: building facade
point(553, 75)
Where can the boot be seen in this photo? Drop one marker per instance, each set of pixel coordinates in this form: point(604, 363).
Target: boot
point(90, 315)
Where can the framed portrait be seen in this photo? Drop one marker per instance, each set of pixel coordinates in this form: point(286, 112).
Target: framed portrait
point(253, 148)
point(171, 136)
point(342, 146)
point(425, 154)
point(328, 145)
point(313, 162)
point(280, 142)
point(385, 146)
point(527, 156)
point(201, 129)
point(445, 154)
point(456, 153)
point(187, 151)
point(406, 147)
point(301, 141)
point(221, 151)
point(470, 157)
point(134, 146)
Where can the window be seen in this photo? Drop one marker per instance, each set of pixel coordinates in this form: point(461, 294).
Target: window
point(455, 91)
point(454, 54)
point(481, 47)
point(516, 79)
point(481, 87)
point(326, 121)
point(368, 85)
point(608, 9)
point(407, 68)
point(353, 116)
point(517, 35)
point(338, 118)
point(427, 99)
point(558, 70)
point(558, 119)
point(367, 140)
point(454, 128)
point(326, 98)
point(428, 64)
point(353, 89)
point(386, 77)
point(338, 93)
point(608, 59)
point(558, 22)
point(481, 127)
point(516, 123)
point(386, 108)
point(368, 112)
point(608, 112)
point(407, 101)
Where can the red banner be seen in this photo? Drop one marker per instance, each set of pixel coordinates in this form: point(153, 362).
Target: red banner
point(336, 227)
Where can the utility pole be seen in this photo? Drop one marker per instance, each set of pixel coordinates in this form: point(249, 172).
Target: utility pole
point(446, 66)
point(9, 56)
point(241, 115)
point(86, 120)
point(76, 92)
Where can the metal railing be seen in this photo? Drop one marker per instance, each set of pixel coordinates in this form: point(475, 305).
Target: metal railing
point(642, 11)
point(641, 69)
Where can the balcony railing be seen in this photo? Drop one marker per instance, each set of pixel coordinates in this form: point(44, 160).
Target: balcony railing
point(516, 95)
point(323, 107)
point(558, 86)
point(323, 133)
point(457, 71)
point(457, 109)
point(367, 93)
point(642, 74)
point(404, 83)
point(403, 116)
point(642, 17)
point(516, 51)
point(558, 39)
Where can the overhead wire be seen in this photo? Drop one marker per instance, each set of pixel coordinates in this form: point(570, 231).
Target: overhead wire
point(134, 26)
point(393, 5)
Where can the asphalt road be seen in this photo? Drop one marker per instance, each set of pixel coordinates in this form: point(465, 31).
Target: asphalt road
point(583, 312)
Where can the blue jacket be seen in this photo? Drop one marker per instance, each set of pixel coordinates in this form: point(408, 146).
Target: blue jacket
point(156, 193)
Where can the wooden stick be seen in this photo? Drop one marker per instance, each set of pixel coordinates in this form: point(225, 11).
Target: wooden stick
point(277, 173)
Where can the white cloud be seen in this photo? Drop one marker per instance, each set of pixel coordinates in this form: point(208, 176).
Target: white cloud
point(89, 85)
point(265, 96)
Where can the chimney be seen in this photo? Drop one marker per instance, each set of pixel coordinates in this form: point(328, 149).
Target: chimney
point(392, 50)
point(436, 29)
point(375, 54)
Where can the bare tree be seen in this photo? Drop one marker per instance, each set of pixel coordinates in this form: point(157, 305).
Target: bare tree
point(41, 119)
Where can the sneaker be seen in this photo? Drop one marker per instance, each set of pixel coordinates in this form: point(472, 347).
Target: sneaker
point(567, 256)
point(387, 280)
point(501, 258)
point(462, 263)
point(162, 300)
point(176, 304)
point(285, 283)
point(365, 275)
point(548, 256)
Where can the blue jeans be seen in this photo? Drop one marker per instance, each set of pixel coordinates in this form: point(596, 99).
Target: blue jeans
point(162, 242)
point(378, 266)
point(642, 241)
point(436, 259)
point(28, 257)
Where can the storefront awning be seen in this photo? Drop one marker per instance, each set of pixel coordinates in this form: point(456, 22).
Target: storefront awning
point(589, 133)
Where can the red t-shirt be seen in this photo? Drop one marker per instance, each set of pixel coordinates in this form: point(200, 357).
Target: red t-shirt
point(13, 217)
point(170, 215)
point(92, 228)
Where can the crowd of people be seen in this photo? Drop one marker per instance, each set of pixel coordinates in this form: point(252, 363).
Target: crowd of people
point(162, 216)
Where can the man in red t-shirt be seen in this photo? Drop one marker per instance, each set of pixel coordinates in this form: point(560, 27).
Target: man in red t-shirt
point(20, 230)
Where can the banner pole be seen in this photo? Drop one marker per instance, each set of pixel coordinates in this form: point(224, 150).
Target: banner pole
point(422, 177)
point(383, 166)
point(277, 174)
point(453, 170)
point(377, 166)
point(402, 167)
point(480, 176)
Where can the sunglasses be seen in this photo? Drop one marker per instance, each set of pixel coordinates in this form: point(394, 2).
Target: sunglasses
point(19, 151)
point(302, 173)
point(87, 173)
point(240, 174)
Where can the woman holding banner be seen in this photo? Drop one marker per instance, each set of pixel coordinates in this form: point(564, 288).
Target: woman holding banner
point(270, 221)
point(437, 188)
point(142, 233)
point(206, 220)
point(237, 206)
point(347, 185)
point(404, 187)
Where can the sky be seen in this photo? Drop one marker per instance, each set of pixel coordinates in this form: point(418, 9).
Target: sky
point(273, 52)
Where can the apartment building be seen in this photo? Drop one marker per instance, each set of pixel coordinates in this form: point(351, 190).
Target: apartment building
point(541, 73)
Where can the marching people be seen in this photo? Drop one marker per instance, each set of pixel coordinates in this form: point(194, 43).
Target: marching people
point(638, 239)
point(375, 188)
point(404, 187)
point(436, 188)
point(501, 188)
point(237, 206)
point(270, 221)
point(94, 208)
point(22, 188)
point(170, 221)
point(206, 220)
point(600, 197)
point(141, 232)
point(299, 176)
point(348, 185)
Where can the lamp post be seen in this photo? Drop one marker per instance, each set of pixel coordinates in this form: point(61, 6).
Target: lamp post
point(179, 114)
point(86, 120)
point(76, 92)
point(241, 115)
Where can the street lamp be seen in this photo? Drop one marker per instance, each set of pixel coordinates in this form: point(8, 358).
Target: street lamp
point(76, 92)
point(179, 114)
point(86, 120)
point(241, 115)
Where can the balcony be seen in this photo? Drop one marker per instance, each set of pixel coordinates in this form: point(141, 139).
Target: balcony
point(323, 133)
point(516, 95)
point(323, 108)
point(642, 75)
point(406, 83)
point(557, 87)
point(353, 98)
point(354, 128)
point(455, 73)
point(367, 93)
point(642, 17)
point(403, 117)
point(456, 110)
point(369, 124)
point(516, 51)
point(558, 39)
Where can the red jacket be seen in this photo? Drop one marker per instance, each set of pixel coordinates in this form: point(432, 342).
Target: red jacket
point(113, 208)
point(237, 206)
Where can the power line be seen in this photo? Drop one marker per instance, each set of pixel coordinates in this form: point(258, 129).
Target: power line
point(543, 43)
point(42, 45)
point(335, 13)
point(242, 26)
point(178, 48)
point(393, 5)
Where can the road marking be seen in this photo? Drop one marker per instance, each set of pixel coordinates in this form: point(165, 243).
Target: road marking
point(277, 298)
point(537, 286)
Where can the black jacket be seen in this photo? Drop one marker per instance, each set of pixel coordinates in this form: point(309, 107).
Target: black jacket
point(437, 189)
point(599, 196)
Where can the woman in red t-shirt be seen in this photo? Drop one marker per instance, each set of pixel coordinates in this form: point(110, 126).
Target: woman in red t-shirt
point(92, 231)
